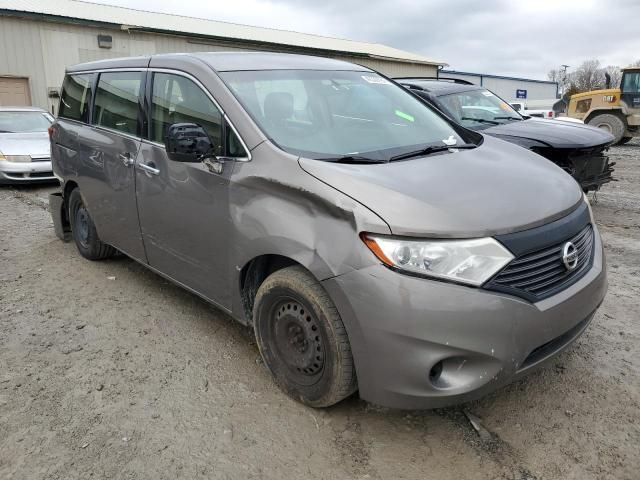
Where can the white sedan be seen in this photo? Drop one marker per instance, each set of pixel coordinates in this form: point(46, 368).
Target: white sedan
point(25, 155)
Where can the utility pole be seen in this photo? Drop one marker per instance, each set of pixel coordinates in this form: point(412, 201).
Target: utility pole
point(563, 84)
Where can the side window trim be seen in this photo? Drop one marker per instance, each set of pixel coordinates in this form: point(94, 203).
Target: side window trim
point(226, 120)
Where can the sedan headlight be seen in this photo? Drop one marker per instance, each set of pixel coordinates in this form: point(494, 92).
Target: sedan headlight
point(472, 261)
point(17, 158)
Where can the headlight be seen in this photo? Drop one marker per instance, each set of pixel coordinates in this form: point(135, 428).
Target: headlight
point(17, 158)
point(471, 261)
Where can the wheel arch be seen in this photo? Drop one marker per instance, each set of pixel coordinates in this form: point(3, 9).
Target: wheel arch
point(253, 273)
point(617, 111)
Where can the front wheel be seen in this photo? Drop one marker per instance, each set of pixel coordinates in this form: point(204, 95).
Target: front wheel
point(625, 140)
point(302, 339)
point(611, 123)
point(84, 230)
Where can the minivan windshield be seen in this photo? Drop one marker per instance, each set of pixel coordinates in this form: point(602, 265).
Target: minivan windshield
point(24, 122)
point(333, 115)
point(478, 109)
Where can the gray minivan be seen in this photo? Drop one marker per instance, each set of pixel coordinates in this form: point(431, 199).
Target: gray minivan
point(371, 243)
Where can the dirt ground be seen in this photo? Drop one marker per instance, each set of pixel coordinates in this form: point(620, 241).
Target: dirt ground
point(108, 371)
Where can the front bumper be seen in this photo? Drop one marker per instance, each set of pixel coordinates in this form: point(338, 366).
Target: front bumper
point(419, 343)
point(26, 172)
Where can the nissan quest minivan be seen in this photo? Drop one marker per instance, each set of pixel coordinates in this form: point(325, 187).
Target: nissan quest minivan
point(371, 243)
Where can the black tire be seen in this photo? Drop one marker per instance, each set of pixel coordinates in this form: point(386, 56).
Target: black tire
point(625, 140)
point(611, 123)
point(302, 339)
point(84, 231)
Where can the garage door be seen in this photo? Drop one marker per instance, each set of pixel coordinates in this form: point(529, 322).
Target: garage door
point(14, 91)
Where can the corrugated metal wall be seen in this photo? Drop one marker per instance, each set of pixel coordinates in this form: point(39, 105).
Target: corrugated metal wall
point(40, 51)
point(506, 87)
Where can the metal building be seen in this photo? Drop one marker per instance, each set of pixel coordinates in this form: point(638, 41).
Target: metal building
point(38, 39)
point(511, 89)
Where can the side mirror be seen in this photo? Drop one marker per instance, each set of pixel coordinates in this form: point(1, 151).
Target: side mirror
point(187, 142)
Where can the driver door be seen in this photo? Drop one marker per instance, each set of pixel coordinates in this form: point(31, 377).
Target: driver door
point(183, 206)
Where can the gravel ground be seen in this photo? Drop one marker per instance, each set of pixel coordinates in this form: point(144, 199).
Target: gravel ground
point(108, 371)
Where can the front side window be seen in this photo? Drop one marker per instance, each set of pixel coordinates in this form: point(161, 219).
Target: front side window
point(478, 108)
point(326, 114)
point(24, 122)
point(177, 99)
point(116, 105)
point(76, 97)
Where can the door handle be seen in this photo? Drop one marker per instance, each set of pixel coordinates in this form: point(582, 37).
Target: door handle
point(148, 169)
point(126, 158)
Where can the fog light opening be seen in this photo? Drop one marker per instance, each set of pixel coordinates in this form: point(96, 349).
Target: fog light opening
point(435, 373)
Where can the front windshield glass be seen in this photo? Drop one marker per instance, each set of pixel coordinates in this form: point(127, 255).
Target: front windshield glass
point(327, 114)
point(478, 109)
point(24, 122)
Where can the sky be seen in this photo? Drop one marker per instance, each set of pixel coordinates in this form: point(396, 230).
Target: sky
point(501, 37)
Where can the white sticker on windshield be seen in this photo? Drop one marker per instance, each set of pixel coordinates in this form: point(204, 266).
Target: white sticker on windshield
point(378, 80)
point(487, 94)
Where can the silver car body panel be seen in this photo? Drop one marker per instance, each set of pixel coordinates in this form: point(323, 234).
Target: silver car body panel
point(202, 228)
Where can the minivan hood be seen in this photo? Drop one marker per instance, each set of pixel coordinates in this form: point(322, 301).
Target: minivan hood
point(493, 189)
point(554, 133)
point(35, 144)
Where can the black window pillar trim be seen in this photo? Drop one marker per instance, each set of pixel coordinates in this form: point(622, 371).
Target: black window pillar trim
point(94, 93)
point(145, 106)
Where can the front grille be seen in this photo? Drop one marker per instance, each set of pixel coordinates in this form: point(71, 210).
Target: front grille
point(41, 174)
point(40, 159)
point(542, 273)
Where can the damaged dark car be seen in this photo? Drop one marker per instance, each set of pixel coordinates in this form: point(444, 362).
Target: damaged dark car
point(580, 150)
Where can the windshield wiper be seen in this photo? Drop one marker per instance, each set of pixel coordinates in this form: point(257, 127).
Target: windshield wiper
point(432, 149)
point(507, 118)
point(352, 159)
point(480, 120)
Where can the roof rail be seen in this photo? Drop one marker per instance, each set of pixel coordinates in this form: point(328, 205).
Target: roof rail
point(444, 79)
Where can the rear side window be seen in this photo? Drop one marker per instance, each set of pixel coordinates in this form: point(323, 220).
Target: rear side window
point(76, 97)
point(116, 104)
point(177, 99)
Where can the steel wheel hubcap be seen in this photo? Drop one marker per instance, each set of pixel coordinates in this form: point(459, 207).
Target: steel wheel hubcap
point(298, 340)
point(82, 226)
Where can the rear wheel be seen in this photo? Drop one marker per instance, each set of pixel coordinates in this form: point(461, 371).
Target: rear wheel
point(625, 140)
point(611, 123)
point(302, 339)
point(84, 231)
